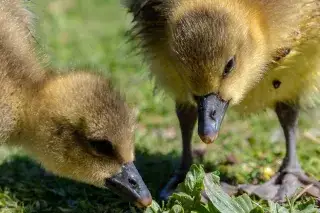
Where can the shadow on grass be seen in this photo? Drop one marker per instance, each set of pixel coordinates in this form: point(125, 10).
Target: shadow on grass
point(26, 183)
point(37, 191)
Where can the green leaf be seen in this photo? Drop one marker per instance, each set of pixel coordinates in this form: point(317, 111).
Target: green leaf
point(245, 202)
point(212, 208)
point(308, 206)
point(201, 208)
point(310, 209)
point(183, 199)
point(257, 209)
point(276, 208)
point(194, 180)
point(215, 177)
point(154, 208)
point(176, 209)
point(222, 201)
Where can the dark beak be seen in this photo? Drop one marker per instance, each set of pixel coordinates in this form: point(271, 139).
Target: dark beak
point(129, 185)
point(211, 111)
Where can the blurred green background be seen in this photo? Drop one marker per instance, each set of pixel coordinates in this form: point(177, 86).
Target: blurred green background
point(92, 34)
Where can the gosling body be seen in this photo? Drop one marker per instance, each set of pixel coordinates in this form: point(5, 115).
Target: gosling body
point(249, 55)
point(75, 124)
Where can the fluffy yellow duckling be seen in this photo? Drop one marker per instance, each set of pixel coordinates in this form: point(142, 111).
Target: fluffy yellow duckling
point(252, 55)
point(76, 125)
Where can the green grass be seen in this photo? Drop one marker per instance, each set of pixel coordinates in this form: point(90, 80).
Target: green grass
point(83, 33)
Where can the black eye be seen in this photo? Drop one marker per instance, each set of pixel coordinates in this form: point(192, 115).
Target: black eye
point(230, 65)
point(102, 147)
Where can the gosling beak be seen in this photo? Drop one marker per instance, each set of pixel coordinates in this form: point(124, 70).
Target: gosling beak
point(129, 185)
point(211, 111)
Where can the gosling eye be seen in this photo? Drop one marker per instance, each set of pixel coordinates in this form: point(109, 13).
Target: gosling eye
point(102, 147)
point(229, 66)
point(196, 98)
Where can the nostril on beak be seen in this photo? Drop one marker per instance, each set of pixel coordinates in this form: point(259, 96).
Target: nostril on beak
point(133, 183)
point(213, 114)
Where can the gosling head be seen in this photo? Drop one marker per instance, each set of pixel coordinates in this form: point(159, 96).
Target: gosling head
point(84, 131)
point(220, 52)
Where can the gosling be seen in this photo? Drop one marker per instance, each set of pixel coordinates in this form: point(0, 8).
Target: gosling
point(76, 125)
point(251, 55)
